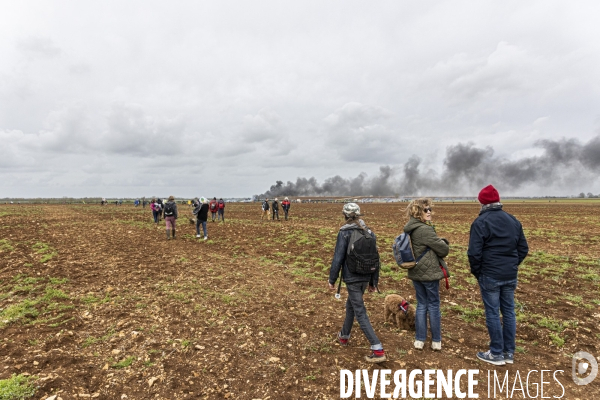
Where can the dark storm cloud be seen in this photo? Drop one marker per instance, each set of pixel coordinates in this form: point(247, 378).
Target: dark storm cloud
point(466, 168)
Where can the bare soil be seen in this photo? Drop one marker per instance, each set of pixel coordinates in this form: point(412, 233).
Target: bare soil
point(95, 302)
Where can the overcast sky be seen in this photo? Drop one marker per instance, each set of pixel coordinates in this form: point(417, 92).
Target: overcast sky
point(223, 98)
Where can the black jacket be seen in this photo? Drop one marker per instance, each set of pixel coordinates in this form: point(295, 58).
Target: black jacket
point(339, 260)
point(497, 244)
point(201, 212)
point(275, 206)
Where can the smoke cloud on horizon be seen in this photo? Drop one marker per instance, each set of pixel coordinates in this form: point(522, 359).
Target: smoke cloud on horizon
point(466, 169)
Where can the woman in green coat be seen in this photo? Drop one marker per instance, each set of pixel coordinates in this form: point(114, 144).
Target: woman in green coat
point(427, 273)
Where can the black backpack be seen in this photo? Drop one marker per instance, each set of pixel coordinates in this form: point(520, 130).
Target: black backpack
point(169, 209)
point(362, 256)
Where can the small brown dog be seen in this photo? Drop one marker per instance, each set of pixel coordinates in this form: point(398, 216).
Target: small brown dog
point(393, 306)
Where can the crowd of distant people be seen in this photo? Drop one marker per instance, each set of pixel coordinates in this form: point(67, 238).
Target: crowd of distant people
point(274, 207)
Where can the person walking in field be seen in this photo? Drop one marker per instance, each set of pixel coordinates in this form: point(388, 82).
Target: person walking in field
point(428, 272)
point(170, 216)
point(265, 209)
point(201, 213)
point(214, 208)
point(161, 208)
point(275, 208)
point(497, 246)
point(221, 212)
point(285, 205)
point(156, 210)
point(356, 284)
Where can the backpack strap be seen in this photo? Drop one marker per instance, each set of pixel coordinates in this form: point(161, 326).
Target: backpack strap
point(421, 256)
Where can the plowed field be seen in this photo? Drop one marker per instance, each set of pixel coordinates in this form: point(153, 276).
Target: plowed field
point(95, 302)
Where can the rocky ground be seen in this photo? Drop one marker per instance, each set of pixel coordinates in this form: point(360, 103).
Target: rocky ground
point(96, 303)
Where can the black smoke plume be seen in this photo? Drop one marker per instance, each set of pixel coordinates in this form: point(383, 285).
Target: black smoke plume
point(466, 169)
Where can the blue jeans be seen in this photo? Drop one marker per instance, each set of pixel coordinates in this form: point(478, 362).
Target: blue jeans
point(428, 302)
point(355, 307)
point(499, 297)
point(155, 216)
point(198, 222)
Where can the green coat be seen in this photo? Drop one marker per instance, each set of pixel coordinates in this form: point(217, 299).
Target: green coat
point(423, 236)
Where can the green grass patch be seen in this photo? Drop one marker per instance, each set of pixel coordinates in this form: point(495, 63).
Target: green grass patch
point(468, 314)
point(557, 340)
point(58, 281)
point(45, 251)
point(17, 387)
point(124, 363)
point(554, 325)
point(20, 311)
point(52, 293)
point(5, 246)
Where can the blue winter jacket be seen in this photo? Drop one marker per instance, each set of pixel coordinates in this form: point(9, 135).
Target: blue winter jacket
point(497, 244)
point(339, 260)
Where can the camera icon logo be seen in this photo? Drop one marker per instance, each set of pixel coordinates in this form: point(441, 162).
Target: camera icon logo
point(581, 363)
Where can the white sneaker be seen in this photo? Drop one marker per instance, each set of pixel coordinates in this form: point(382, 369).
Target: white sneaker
point(197, 236)
point(436, 345)
point(205, 237)
point(419, 345)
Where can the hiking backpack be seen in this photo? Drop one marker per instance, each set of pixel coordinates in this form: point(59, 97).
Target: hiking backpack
point(169, 209)
point(362, 256)
point(403, 253)
point(213, 206)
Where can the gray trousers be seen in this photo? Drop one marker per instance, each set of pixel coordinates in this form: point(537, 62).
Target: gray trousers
point(355, 307)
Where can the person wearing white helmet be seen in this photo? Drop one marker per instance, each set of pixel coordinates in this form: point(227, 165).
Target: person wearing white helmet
point(356, 283)
point(285, 204)
point(275, 208)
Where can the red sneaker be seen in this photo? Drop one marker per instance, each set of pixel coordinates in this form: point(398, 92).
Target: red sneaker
point(376, 356)
point(342, 341)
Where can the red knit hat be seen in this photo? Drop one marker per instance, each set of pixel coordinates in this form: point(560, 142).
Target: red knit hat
point(488, 195)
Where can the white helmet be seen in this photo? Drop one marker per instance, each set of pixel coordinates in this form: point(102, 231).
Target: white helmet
point(351, 210)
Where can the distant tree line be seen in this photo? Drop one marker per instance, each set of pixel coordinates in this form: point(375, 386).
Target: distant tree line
point(589, 196)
